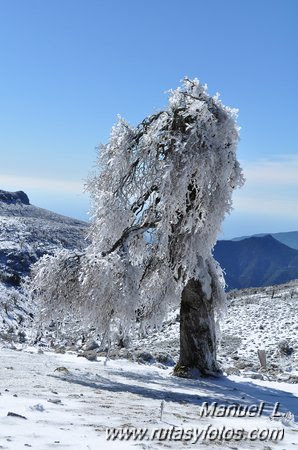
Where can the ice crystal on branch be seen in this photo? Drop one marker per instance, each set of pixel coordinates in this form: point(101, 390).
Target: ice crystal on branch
point(159, 197)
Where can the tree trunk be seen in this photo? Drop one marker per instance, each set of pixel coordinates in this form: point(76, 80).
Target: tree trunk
point(197, 333)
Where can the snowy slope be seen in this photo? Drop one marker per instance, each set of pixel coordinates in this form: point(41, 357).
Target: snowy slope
point(73, 406)
point(26, 233)
point(254, 321)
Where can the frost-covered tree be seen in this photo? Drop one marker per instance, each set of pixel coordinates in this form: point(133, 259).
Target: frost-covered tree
point(159, 195)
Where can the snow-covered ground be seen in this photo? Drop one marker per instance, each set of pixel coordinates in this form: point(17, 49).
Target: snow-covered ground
point(69, 402)
point(256, 319)
point(262, 319)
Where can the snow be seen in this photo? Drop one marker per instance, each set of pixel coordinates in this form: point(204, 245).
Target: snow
point(171, 177)
point(92, 396)
point(30, 226)
point(73, 408)
point(128, 392)
point(28, 232)
point(254, 320)
point(258, 321)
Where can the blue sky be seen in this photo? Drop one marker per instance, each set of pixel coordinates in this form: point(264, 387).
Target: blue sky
point(68, 67)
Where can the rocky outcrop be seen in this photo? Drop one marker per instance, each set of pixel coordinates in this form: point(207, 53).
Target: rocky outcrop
point(14, 198)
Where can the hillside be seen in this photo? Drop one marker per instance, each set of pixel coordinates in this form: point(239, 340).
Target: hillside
point(256, 261)
point(261, 318)
point(27, 232)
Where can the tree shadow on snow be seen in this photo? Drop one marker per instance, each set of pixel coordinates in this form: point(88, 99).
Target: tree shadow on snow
point(155, 386)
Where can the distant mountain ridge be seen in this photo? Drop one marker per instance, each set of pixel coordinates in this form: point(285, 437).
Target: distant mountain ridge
point(289, 238)
point(256, 261)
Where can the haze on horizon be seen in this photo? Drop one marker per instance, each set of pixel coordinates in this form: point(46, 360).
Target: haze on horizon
point(68, 68)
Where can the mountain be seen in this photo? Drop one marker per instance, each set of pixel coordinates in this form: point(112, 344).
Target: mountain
point(256, 261)
point(289, 238)
point(28, 232)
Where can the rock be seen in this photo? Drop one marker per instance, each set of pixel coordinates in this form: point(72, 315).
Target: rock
point(56, 401)
point(232, 371)
point(242, 364)
point(293, 379)
point(285, 349)
point(91, 345)
point(144, 357)
point(165, 359)
point(15, 198)
point(283, 377)
point(113, 353)
point(100, 354)
point(22, 337)
point(12, 414)
point(255, 376)
point(60, 350)
point(161, 366)
point(125, 353)
point(37, 407)
point(61, 369)
point(90, 355)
